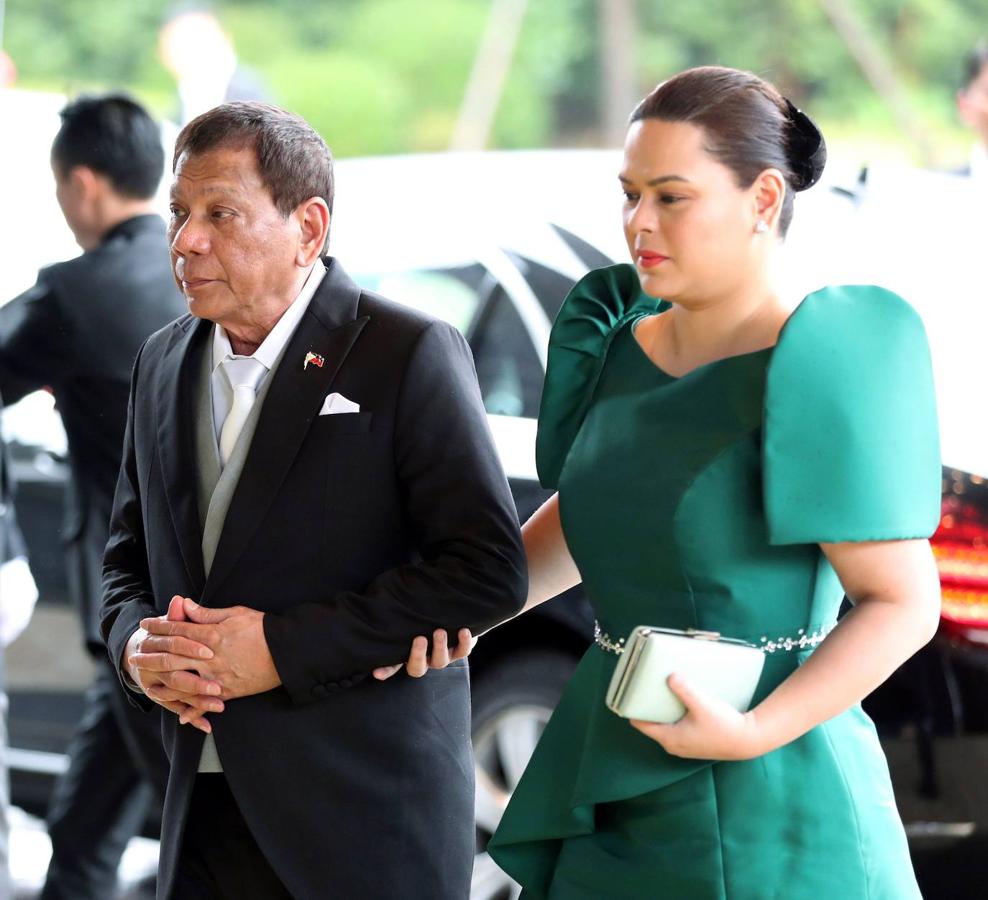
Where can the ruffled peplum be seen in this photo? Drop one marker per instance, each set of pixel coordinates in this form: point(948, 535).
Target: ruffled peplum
point(587, 756)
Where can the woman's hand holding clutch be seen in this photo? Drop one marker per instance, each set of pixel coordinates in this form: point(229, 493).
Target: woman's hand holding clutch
point(711, 728)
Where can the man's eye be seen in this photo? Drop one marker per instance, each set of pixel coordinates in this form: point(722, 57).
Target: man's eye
point(669, 199)
point(630, 197)
point(175, 212)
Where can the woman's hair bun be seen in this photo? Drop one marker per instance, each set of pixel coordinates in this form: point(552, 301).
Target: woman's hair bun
point(806, 149)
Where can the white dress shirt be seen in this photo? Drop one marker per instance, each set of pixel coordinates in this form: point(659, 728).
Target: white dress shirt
point(222, 394)
point(267, 354)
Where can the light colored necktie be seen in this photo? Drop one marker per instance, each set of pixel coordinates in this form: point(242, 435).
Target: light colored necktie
point(243, 375)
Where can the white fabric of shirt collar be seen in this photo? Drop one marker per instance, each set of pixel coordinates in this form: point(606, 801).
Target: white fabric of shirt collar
point(269, 351)
point(284, 328)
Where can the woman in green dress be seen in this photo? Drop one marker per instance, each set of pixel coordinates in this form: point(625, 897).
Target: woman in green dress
point(731, 461)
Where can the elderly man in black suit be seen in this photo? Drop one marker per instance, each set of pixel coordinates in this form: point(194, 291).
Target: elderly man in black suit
point(308, 483)
point(77, 332)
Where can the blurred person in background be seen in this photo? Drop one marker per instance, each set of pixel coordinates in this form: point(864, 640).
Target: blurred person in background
point(78, 331)
point(201, 57)
point(8, 71)
point(972, 103)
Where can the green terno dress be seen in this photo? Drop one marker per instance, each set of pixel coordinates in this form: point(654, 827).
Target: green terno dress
point(701, 502)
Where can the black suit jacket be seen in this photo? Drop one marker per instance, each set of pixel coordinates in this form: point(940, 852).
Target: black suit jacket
point(78, 331)
point(11, 545)
point(353, 533)
point(11, 542)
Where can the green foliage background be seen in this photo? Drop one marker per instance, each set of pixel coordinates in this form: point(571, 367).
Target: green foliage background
point(387, 76)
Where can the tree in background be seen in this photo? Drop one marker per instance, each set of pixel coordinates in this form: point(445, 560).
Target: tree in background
point(387, 76)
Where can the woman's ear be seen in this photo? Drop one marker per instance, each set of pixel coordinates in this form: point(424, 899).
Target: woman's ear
point(768, 193)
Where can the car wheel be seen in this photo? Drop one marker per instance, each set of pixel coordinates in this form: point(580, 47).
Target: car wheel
point(512, 701)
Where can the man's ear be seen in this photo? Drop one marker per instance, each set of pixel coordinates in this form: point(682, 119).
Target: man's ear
point(964, 108)
point(84, 182)
point(313, 217)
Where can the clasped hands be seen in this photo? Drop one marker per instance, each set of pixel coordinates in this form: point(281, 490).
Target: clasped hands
point(194, 658)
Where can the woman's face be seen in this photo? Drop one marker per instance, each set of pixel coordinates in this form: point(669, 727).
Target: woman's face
point(689, 227)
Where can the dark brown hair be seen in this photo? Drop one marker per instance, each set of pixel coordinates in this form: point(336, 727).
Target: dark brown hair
point(294, 161)
point(748, 126)
point(976, 60)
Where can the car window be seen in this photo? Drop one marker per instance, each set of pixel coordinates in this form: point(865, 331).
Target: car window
point(548, 285)
point(508, 367)
point(453, 294)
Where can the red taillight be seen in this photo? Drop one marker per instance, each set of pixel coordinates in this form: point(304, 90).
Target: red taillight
point(961, 550)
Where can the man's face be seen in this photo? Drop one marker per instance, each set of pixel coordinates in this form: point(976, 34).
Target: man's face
point(973, 105)
point(233, 253)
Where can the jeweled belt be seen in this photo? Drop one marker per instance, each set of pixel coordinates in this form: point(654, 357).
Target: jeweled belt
point(782, 644)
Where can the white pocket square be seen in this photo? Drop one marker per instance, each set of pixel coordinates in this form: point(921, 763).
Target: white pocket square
point(337, 403)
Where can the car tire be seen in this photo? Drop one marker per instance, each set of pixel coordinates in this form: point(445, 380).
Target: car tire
point(512, 701)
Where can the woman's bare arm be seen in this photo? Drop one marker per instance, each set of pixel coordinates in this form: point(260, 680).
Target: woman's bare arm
point(551, 569)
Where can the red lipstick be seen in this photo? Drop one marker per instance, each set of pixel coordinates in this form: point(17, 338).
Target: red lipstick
point(649, 259)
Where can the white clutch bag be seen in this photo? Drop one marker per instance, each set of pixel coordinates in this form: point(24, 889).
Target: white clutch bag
point(725, 668)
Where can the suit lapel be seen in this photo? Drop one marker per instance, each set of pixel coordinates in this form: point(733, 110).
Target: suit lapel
point(176, 408)
point(328, 328)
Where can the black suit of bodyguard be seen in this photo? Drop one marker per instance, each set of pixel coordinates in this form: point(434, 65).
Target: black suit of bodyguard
point(78, 331)
point(352, 533)
point(11, 547)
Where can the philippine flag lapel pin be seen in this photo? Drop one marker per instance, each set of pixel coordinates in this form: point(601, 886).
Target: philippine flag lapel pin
point(313, 358)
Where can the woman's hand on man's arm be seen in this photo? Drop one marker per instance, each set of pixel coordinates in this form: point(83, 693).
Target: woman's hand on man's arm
point(420, 660)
